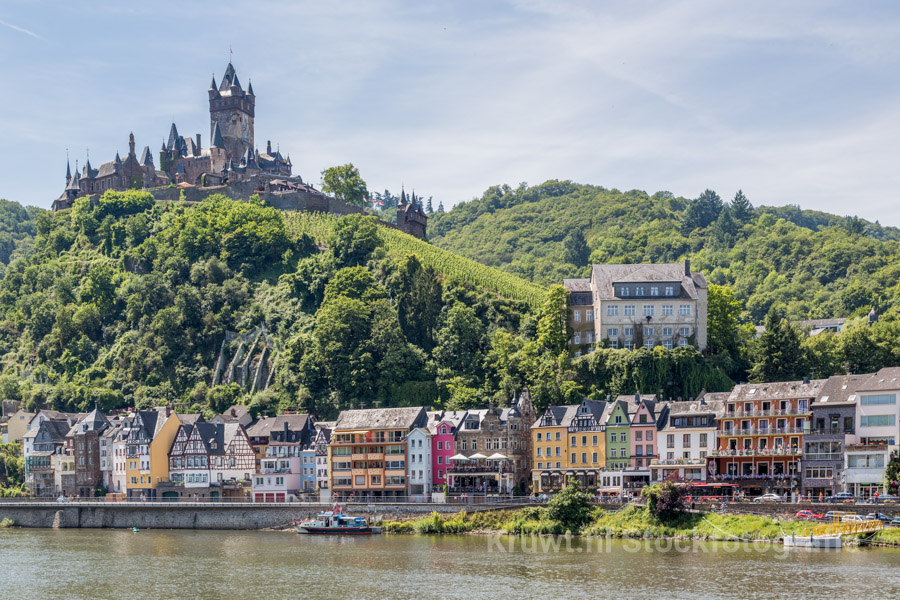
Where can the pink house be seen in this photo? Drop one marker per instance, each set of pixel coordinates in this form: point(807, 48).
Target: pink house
point(644, 426)
point(443, 427)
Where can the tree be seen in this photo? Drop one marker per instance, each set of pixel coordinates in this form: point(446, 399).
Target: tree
point(428, 207)
point(577, 251)
point(354, 239)
point(665, 500)
point(418, 293)
point(460, 341)
point(701, 212)
point(741, 209)
point(725, 227)
point(440, 207)
point(553, 326)
point(346, 184)
point(779, 350)
point(571, 507)
point(722, 317)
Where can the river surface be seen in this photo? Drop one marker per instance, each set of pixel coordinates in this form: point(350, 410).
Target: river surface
point(84, 563)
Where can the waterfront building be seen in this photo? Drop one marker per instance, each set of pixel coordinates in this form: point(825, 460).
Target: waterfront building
point(549, 434)
point(832, 429)
point(259, 438)
point(443, 427)
point(638, 305)
point(147, 451)
point(369, 452)
point(419, 482)
point(321, 442)
point(63, 466)
point(760, 436)
point(569, 442)
point(494, 450)
point(46, 441)
point(208, 461)
point(877, 432)
point(688, 439)
point(84, 438)
point(288, 466)
point(17, 425)
point(119, 481)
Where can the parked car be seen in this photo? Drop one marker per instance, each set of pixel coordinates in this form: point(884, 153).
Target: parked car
point(878, 517)
point(895, 521)
point(889, 499)
point(834, 516)
point(808, 515)
point(768, 498)
point(841, 497)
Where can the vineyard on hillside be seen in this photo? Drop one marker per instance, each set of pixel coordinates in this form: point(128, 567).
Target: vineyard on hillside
point(319, 226)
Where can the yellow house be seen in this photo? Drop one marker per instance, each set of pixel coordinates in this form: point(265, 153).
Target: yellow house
point(147, 452)
point(569, 442)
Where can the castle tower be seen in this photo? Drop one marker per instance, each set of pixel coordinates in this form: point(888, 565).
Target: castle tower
point(411, 218)
point(233, 110)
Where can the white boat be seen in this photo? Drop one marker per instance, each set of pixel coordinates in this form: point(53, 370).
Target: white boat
point(823, 542)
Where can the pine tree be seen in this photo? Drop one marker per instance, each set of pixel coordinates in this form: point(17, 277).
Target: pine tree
point(428, 208)
point(577, 251)
point(779, 351)
point(701, 212)
point(440, 207)
point(741, 209)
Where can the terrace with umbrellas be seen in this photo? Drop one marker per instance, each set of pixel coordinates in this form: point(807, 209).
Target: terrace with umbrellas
point(480, 474)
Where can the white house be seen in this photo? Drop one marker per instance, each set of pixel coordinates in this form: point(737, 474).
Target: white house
point(418, 451)
point(687, 439)
point(877, 418)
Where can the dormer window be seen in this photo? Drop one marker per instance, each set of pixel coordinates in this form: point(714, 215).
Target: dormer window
point(654, 291)
point(670, 290)
point(625, 290)
point(639, 291)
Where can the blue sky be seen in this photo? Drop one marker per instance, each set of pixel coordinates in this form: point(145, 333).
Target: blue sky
point(794, 102)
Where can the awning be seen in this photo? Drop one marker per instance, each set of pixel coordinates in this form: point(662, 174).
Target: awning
point(497, 456)
point(477, 455)
point(362, 431)
point(459, 457)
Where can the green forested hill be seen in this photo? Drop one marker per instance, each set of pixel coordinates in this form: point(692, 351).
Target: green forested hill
point(818, 265)
point(16, 230)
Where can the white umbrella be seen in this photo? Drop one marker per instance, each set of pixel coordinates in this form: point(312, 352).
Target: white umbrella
point(459, 457)
point(497, 456)
point(477, 455)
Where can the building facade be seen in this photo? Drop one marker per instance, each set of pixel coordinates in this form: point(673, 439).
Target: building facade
point(419, 482)
point(688, 439)
point(876, 432)
point(631, 306)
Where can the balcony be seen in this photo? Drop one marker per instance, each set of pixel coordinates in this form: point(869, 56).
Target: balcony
point(356, 457)
point(752, 452)
point(374, 456)
point(357, 471)
point(830, 431)
point(762, 431)
point(823, 456)
point(679, 462)
point(744, 414)
point(271, 471)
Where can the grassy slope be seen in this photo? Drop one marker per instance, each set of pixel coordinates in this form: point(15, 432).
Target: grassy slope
point(319, 226)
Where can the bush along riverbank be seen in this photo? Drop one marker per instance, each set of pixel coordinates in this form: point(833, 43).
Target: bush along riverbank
point(664, 516)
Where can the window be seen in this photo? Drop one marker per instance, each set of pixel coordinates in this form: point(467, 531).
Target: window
point(648, 343)
point(577, 315)
point(649, 331)
point(589, 315)
point(590, 337)
point(639, 291)
point(612, 332)
point(686, 440)
point(654, 291)
point(539, 436)
point(573, 442)
point(594, 457)
point(594, 441)
point(540, 465)
point(440, 460)
point(613, 437)
point(703, 440)
point(614, 344)
point(878, 399)
point(625, 291)
point(639, 450)
point(440, 445)
point(865, 461)
point(877, 421)
point(629, 310)
point(574, 459)
point(539, 451)
point(667, 331)
point(649, 310)
point(684, 331)
point(639, 435)
point(682, 342)
point(667, 310)
point(557, 438)
point(667, 344)
point(612, 310)
point(628, 331)
point(670, 290)
point(577, 337)
point(684, 310)
point(557, 451)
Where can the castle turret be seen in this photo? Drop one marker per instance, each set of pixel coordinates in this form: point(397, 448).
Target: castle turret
point(411, 218)
point(234, 111)
point(68, 172)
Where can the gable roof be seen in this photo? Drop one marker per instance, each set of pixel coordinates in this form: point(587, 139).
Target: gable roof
point(380, 418)
point(884, 380)
point(262, 428)
point(780, 390)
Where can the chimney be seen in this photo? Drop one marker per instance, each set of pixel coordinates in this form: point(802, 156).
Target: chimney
point(806, 380)
point(234, 413)
point(269, 147)
point(687, 267)
point(198, 142)
point(168, 410)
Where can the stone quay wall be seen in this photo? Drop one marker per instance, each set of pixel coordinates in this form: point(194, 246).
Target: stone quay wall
point(177, 515)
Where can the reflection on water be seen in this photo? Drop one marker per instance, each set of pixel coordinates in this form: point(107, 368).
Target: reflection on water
point(215, 564)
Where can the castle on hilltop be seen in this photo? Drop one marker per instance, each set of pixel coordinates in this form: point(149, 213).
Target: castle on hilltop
point(230, 165)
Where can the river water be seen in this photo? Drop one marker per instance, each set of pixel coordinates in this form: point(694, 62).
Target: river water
point(83, 563)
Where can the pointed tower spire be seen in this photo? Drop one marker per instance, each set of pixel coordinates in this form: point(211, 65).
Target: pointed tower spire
point(217, 141)
point(68, 168)
point(250, 88)
point(212, 85)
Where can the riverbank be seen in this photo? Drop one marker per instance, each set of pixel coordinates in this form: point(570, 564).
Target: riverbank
point(632, 522)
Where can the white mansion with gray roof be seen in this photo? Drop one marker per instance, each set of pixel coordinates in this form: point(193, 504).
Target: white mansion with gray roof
point(638, 305)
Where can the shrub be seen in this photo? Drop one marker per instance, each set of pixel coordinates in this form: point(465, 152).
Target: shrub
point(665, 500)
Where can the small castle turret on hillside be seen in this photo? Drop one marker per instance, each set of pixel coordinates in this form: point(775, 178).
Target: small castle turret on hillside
point(411, 217)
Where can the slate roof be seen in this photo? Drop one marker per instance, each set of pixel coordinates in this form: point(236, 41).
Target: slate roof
point(234, 413)
point(604, 276)
point(217, 141)
point(695, 407)
point(146, 157)
point(380, 418)
point(577, 285)
point(93, 421)
point(261, 428)
point(747, 392)
point(884, 380)
point(840, 389)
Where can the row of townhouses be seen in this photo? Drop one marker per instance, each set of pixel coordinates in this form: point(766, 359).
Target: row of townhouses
point(813, 438)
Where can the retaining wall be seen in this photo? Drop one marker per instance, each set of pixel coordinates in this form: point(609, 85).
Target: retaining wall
point(192, 516)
